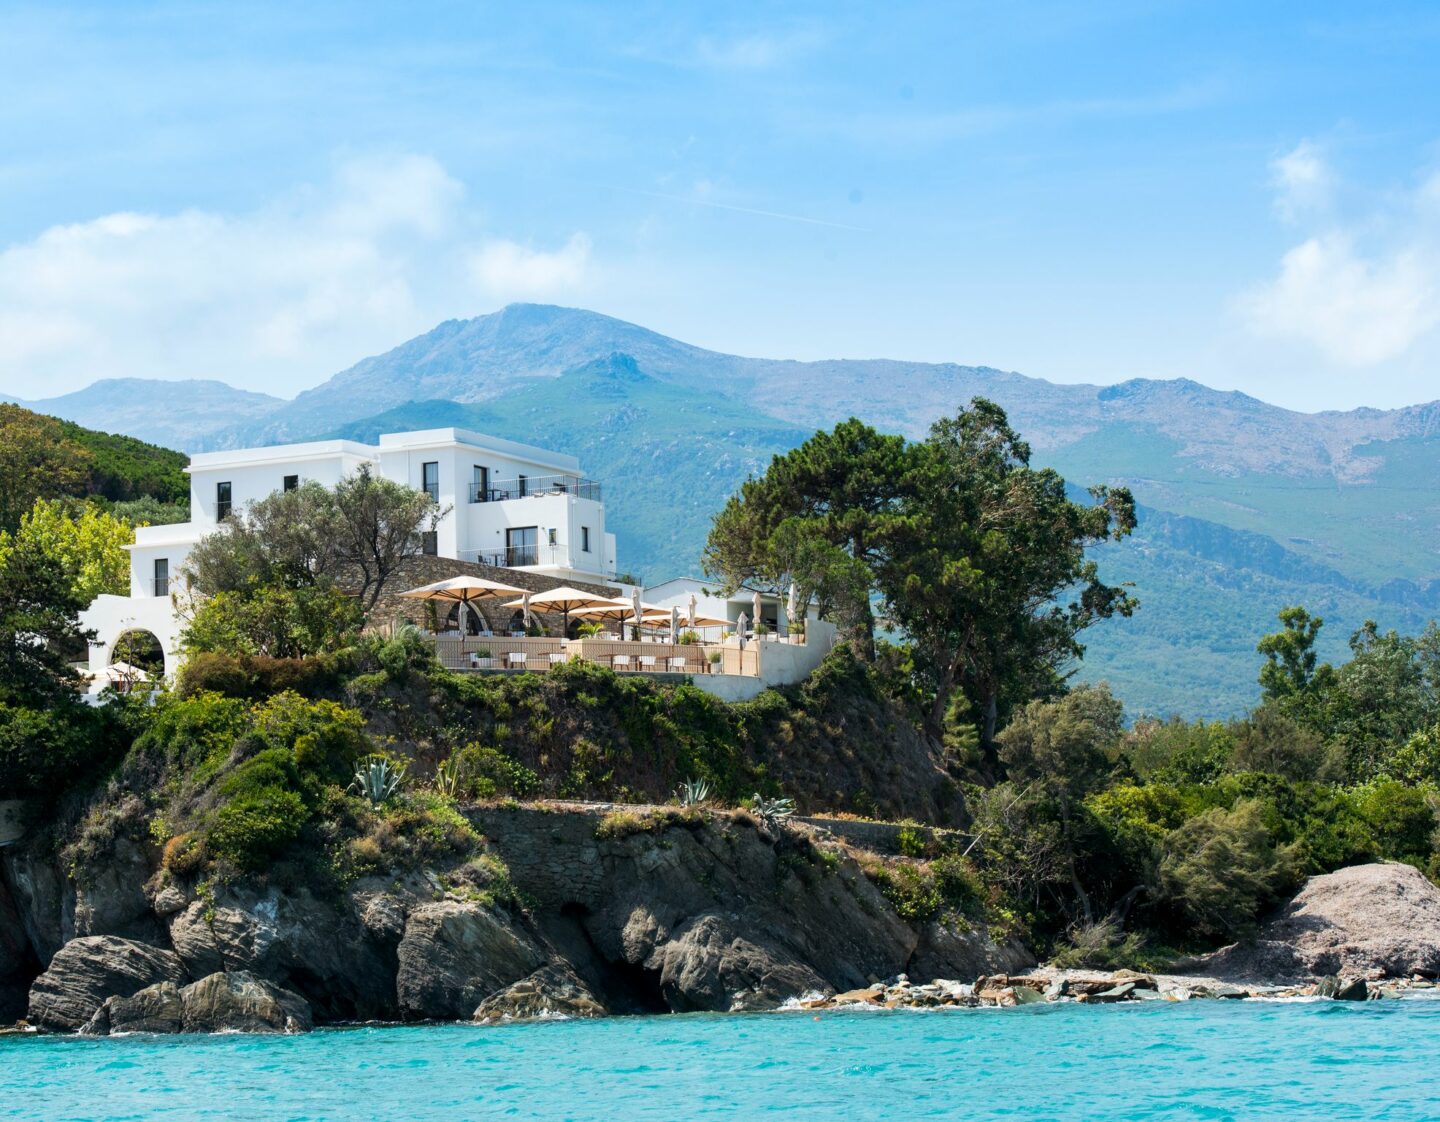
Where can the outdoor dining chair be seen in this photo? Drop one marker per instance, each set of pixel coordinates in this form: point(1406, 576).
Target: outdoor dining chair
point(647, 662)
point(675, 664)
point(619, 662)
point(515, 659)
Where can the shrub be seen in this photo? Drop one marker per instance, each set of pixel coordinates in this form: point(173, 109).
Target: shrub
point(257, 677)
point(1222, 868)
point(46, 752)
point(184, 854)
point(253, 829)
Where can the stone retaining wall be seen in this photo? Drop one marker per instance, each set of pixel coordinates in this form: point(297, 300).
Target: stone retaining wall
point(427, 570)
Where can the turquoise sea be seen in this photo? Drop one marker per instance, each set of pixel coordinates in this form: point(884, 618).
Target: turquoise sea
point(1198, 1060)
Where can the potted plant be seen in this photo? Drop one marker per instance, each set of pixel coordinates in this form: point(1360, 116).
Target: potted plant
point(481, 660)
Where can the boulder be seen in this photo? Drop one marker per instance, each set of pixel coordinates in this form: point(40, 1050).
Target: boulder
point(1342, 989)
point(1376, 921)
point(157, 1008)
point(454, 955)
point(709, 965)
point(239, 1002)
point(242, 1002)
point(553, 991)
point(86, 971)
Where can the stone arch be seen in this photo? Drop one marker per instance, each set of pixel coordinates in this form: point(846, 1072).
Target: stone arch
point(139, 646)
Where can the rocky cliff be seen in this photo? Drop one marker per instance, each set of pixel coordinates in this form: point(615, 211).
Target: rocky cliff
point(629, 910)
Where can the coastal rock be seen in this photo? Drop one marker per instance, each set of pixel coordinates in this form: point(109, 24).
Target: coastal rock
point(1342, 989)
point(699, 912)
point(242, 1002)
point(314, 947)
point(455, 955)
point(1376, 921)
point(946, 950)
point(110, 898)
point(43, 897)
point(709, 965)
point(87, 971)
point(239, 1002)
point(553, 991)
point(15, 960)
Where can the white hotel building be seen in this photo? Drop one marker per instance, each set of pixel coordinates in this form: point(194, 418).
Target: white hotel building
point(506, 504)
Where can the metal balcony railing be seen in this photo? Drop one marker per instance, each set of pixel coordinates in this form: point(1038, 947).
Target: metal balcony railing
point(575, 485)
point(515, 556)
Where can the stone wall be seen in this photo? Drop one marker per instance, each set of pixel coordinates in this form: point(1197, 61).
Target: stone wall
point(416, 571)
point(552, 853)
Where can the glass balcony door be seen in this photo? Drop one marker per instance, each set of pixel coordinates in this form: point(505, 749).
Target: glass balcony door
point(522, 546)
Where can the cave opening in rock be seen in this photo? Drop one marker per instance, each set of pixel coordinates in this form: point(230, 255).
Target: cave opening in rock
point(623, 987)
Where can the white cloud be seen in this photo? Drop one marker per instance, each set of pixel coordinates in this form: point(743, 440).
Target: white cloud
point(1360, 289)
point(275, 299)
point(508, 267)
point(1302, 180)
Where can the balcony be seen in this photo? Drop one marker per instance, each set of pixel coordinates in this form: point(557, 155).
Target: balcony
point(533, 485)
point(517, 556)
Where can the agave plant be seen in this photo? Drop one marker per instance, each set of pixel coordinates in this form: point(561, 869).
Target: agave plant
point(378, 778)
point(449, 777)
point(693, 792)
point(772, 811)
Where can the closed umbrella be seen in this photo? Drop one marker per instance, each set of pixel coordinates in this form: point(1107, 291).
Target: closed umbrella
point(740, 622)
point(635, 603)
point(755, 601)
point(675, 623)
point(792, 606)
point(526, 609)
point(692, 609)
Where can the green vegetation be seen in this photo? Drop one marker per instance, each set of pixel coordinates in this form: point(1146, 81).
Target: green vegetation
point(971, 552)
point(45, 458)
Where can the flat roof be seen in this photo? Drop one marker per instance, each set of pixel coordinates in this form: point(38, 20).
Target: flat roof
point(438, 438)
point(272, 453)
point(389, 442)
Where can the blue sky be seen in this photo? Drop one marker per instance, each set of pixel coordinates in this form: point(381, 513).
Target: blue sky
point(1244, 194)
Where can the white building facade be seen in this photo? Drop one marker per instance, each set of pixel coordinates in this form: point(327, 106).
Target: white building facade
point(506, 504)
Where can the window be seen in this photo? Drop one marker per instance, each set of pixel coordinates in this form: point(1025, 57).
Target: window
point(162, 576)
point(222, 501)
point(585, 539)
point(480, 485)
point(550, 537)
point(429, 543)
point(430, 480)
point(292, 483)
point(521, 485)
point(522, 546)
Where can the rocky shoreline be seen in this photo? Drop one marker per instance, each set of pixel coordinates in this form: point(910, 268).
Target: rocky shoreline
point(613, 913)
point(1089, 987)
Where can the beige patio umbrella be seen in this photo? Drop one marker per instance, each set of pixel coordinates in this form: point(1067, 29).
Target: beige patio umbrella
point(755, 600)
point(462, 590)
point(564, 600)
point(119, 672)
